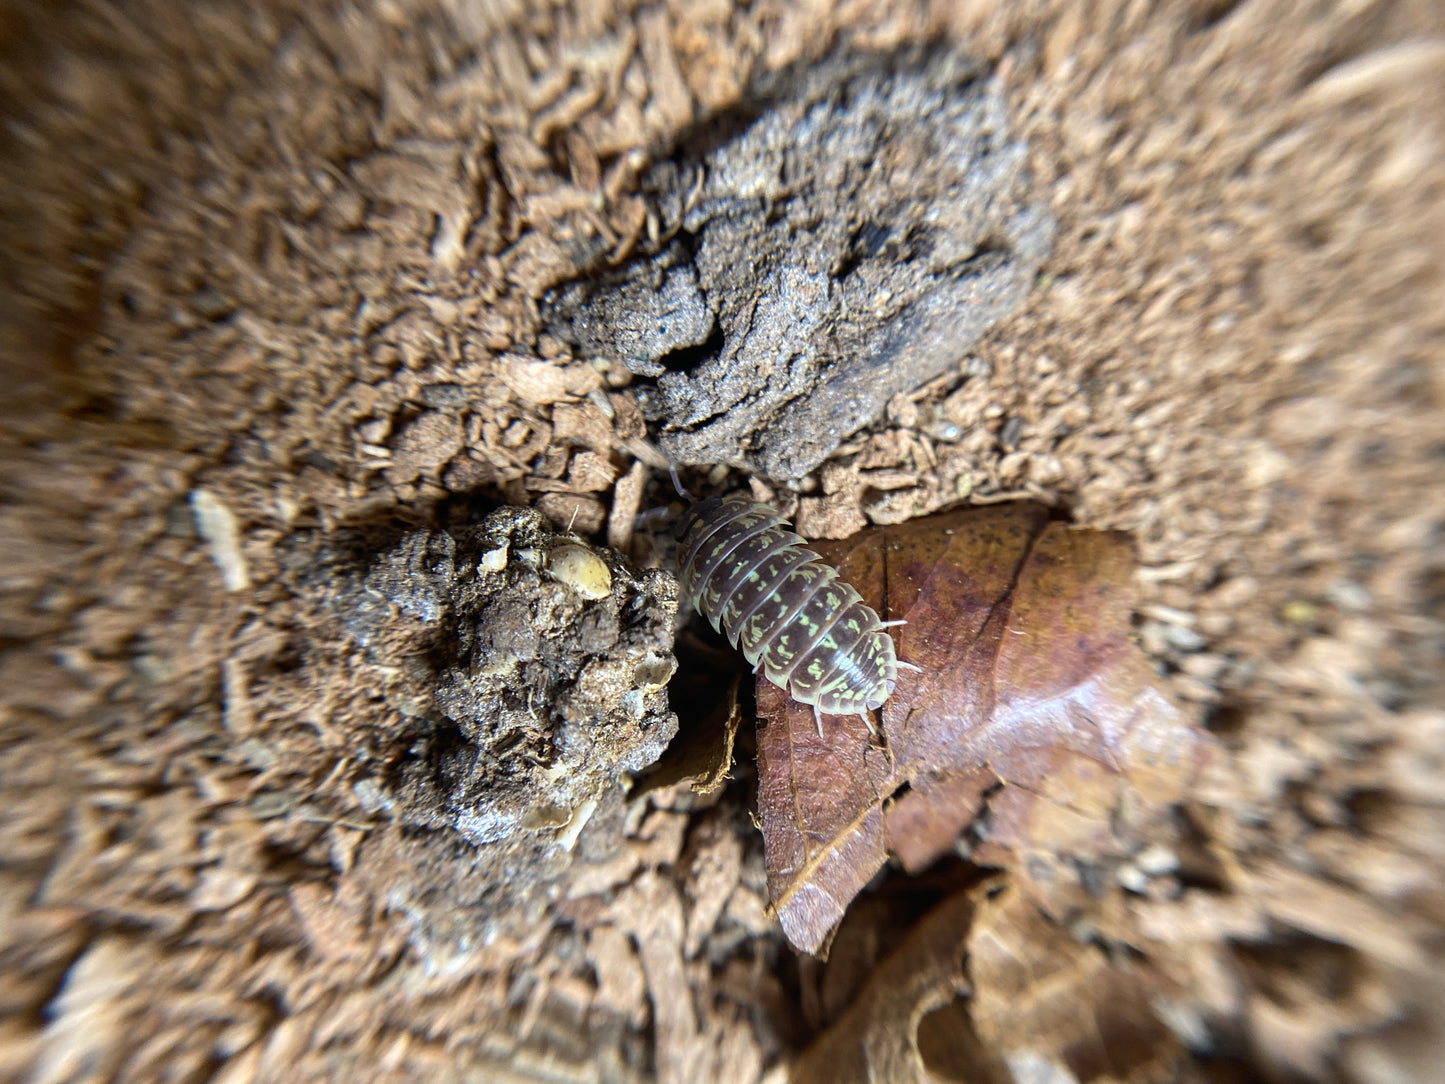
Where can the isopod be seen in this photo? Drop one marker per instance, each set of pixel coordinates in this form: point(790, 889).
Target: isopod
point(796, 620)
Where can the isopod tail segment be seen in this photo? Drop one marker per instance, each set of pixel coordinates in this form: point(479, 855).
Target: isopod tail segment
point(899, 662)
point(864, 714)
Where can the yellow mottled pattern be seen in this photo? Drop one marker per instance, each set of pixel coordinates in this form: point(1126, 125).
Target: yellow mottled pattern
point(760, 588)
point(712, 523)
point(804, 628)
point(769, 627)
point(860, 673)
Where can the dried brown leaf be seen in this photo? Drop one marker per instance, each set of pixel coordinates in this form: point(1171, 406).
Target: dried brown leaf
point(985, 987)
point(1032, 699)
point(821, 805)
point(877, 1038)
point(1044, 996)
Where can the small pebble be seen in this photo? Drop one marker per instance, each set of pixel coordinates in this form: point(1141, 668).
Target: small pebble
point(1009, 435)
point(903, 411)
point(1169, 615)
point(1239, 674)
point(1299, 612)
point(1153, 639)
point(1348, 595)
point(493, 560)
point(270, 804)
point(1216, 624)
point(1132, 879)
point(1156, 859)
point(217, 526)
point(1164, 889)
point(368, 795)
point(1194, 690)
point(1234, 593)
point(944, 430)
point(599, 399)
point(579, 568)
point(1184, 639)
point(444, 395)
point(211, 303)
point(373, 431)
point(1205, 666)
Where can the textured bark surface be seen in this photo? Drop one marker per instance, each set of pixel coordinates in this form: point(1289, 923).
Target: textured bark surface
point(860, 229)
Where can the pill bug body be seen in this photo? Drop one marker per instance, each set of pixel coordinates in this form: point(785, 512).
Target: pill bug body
point(796, 621)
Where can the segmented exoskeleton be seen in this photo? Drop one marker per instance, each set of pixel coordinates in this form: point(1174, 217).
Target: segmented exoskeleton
point(807, 630)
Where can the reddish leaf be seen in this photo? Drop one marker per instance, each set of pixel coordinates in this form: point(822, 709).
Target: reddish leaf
point(1032, 699)
point(821, 806)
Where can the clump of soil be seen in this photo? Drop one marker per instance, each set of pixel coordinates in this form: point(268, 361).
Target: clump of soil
point(532, 669)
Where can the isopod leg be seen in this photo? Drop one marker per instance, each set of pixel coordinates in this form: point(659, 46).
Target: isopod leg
point(868, 722)
point(909, 666)
point(818, 715)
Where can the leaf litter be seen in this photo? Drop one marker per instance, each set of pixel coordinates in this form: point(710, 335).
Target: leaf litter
point(985, 988)
point(1032, 702)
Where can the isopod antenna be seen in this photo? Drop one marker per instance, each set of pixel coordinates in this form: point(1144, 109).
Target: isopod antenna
point(677, 483)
